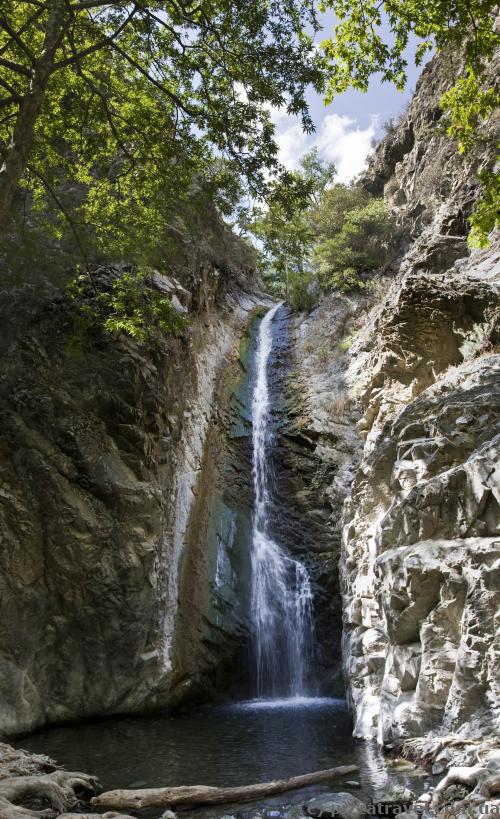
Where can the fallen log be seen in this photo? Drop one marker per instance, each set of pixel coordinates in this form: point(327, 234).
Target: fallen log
point(190, 795)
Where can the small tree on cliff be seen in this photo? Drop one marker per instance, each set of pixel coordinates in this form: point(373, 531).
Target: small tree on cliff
point(283, 226)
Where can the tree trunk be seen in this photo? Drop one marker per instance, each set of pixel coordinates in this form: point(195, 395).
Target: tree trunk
point(205, 795)
point(18, 151)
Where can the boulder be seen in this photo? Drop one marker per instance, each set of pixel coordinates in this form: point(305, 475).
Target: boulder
point(329, 805)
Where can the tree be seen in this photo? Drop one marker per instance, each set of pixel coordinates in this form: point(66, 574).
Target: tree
point(129, 100)
point(282, 225)
point(359, 48)
point(353, 234)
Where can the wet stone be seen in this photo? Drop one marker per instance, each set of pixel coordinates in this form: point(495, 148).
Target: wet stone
point(328, 806)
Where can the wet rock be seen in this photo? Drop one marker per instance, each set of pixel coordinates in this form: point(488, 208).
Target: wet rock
point(323, 450)
point(393, 800)
point(352, 783)
point(424, 799)
point(343, 805)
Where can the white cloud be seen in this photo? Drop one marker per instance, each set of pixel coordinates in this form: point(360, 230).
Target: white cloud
point(338, 140)
point(292, 143)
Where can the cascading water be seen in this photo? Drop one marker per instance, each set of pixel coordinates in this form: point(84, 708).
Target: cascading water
point(281, 590)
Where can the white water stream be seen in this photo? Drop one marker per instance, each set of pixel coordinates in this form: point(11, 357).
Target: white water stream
point(281, 590)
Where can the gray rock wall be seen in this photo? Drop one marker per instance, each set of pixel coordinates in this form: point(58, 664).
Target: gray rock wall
point(104, 519)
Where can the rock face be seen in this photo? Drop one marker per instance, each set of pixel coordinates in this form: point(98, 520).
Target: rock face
point(405, 404)
point(420, 560)
point(305, 520)
point(323, 445)
point(423, 178)
point(115, 518)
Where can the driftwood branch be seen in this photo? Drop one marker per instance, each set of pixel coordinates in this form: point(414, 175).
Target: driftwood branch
point(206, 795)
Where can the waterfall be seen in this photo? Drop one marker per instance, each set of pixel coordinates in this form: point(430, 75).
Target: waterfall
point(281, 591)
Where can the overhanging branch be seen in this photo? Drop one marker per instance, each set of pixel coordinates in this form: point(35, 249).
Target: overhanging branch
point(192, 112)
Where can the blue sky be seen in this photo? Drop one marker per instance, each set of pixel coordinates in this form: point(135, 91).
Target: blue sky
point(345, 129)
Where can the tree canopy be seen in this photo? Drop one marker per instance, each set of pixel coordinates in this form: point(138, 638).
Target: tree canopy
point(134, 102)
point(118, 112)
point(316, 231)
point(282, 225)
point(354, 234)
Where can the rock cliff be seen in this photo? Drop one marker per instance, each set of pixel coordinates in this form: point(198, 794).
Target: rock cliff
point(402, 391)
point(117, 518)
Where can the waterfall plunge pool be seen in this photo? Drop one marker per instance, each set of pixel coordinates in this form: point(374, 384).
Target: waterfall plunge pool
point(239, 743)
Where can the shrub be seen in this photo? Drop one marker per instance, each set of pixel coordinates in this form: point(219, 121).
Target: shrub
point(302, 297)
point(130, 305)
point(355, 234)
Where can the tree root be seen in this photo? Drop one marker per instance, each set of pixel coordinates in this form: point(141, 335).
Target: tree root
point(60, 790)
point(479, 779)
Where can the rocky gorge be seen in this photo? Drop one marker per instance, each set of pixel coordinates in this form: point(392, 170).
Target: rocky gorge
point(126, 492)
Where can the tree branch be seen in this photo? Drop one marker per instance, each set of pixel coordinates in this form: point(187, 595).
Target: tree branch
point(12, 91)
point(14, 35)
point(8, 100)
point(26, 25)
point(97, 46)
point(94, 4)
point(16, 67)
point(192, 112)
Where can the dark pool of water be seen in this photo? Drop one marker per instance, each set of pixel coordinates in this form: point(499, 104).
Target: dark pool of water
point(238, 744)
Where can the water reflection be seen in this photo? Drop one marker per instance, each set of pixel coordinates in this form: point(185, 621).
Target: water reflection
point(227, 745)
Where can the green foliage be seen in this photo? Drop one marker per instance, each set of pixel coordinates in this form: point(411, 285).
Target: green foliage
point(372, 37)
point(327, 232)
point(467, 104)
point(132, 102)
point(283, 229)
point(302, 297)
point(354, 234)
point(347, 342)
point(487, 214)
point(130, 305)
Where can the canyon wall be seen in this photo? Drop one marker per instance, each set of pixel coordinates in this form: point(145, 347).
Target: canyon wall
point(120, 571)
point(402, 394)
